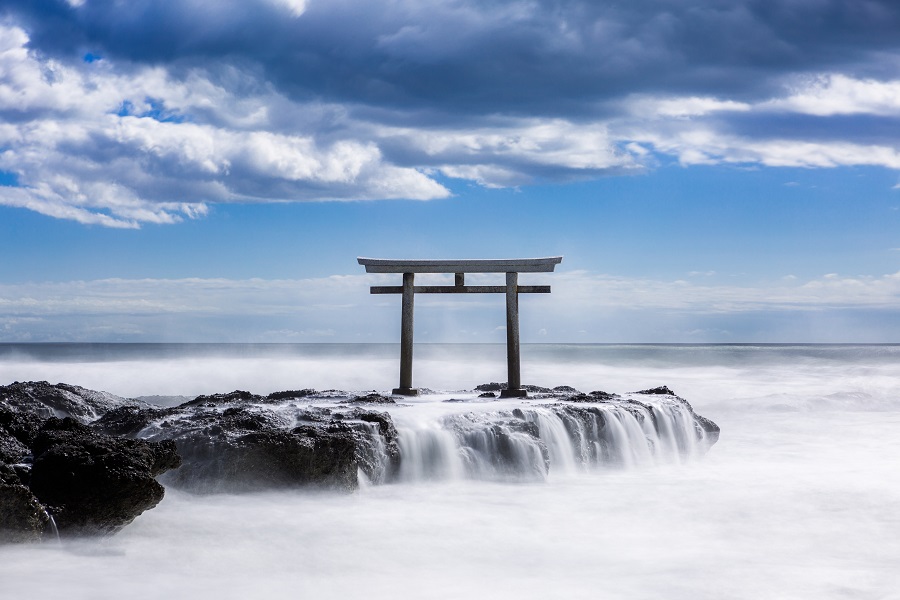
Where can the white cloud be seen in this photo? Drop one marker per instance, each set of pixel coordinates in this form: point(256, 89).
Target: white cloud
point(838, 94)
point(120, 144)
point(119, 150)
point(703, 144)
point(294, 7)
point(681, 107)
point(503, 154)
point(585, 291)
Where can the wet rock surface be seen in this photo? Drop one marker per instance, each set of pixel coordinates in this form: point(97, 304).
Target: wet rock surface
point(240, 441)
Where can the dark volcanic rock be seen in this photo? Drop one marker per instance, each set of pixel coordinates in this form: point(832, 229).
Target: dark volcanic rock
point(658, 391)
point(290, 394)
point(241, 441)
point(709, 427)
point(12, 451)
point(265, 459)
point(497, 387)
point(565, 389)
point(373, 398)
point(95, 483)
point(128, 421)
point(215, 399)
point(22, 517)
point(490, 387)
point(89, 481)
point(43, 400)
point(592, 397)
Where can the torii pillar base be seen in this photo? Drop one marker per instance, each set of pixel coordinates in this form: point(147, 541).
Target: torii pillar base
point(513, 393)
point(405, 392)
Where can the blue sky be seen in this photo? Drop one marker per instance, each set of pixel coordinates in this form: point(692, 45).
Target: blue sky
point(198, 171)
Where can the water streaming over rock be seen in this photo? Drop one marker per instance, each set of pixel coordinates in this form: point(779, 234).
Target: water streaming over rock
point(535, 441)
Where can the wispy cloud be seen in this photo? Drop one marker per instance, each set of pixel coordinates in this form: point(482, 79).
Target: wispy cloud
point(340, 307)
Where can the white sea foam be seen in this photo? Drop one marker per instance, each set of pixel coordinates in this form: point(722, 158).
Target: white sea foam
point(797, 499)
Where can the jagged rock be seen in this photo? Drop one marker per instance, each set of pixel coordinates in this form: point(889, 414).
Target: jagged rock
point(490, 387)
point(265, 459)
point(215, 399)
point(373, 398)
point(95, 483)
point(128, 420)
point(497, 387)
point(290, 394)
point(658, 391)
point(565, 389)
point(22, 517)
point(240, 441)
point(43, 400)
point(12, 451)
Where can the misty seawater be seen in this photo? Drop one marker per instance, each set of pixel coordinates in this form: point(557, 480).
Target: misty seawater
point(798, 499)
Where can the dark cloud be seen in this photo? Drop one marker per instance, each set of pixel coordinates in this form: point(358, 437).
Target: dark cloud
point(547, 58)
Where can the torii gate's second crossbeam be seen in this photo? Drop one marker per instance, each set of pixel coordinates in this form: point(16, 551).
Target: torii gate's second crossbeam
point(512, 289)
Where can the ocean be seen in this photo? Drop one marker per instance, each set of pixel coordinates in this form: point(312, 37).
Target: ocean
point(798, 498)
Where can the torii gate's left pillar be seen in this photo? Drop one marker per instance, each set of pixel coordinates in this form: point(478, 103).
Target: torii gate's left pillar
point(406, 336)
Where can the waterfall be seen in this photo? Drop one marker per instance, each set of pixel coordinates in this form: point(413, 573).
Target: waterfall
point(51, 526)
point(533, 442)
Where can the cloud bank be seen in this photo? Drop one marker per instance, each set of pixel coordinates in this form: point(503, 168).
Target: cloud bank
point(123, 113)
point(584, 306)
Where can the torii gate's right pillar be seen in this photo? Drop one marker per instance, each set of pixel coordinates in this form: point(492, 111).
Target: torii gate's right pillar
point(513, 368)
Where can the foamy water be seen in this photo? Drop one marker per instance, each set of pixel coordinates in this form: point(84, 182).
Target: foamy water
point(798, 499)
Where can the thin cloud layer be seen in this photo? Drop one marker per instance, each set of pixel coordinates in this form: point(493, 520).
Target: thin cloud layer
point(147, 112)
point(339, 308)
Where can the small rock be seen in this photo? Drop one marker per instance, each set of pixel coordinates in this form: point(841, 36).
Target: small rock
point(658, 391)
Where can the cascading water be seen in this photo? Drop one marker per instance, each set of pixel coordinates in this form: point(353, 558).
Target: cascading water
point(52, 534)
point(535, 441)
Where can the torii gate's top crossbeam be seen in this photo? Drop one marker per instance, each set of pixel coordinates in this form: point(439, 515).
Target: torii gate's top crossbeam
point(477, 265)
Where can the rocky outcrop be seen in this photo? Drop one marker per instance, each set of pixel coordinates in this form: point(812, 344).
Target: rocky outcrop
point(44, 400)
point(52, 464)
point(95, 483)
point(92, 462)
point(240, 441)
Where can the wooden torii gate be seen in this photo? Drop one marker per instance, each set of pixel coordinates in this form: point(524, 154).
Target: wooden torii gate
point(512, 289)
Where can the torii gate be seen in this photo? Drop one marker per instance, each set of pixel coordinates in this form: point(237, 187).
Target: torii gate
point(512, 289)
